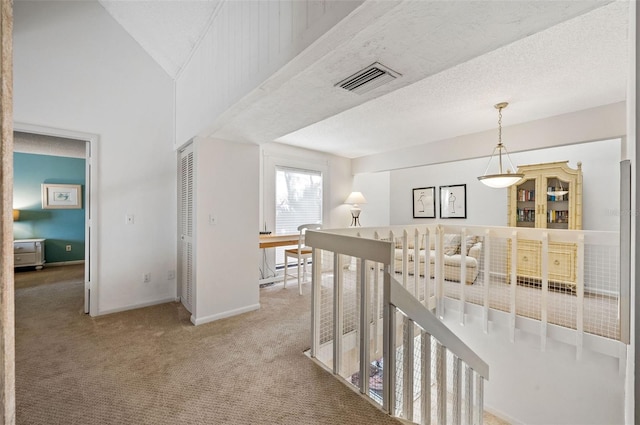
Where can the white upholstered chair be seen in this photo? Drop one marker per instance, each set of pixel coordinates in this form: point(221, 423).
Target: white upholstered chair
point(301, 254)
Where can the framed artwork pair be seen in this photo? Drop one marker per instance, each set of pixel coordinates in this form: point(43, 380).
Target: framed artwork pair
point(453, 201)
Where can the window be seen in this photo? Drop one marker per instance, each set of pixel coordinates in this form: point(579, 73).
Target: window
point(298, 201)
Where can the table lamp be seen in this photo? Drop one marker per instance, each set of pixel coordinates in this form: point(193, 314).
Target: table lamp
point(355, 199)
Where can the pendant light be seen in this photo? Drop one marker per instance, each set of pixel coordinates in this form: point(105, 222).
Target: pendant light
point(502, 179)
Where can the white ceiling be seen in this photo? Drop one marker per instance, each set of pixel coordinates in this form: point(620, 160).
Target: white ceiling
point(457, 59)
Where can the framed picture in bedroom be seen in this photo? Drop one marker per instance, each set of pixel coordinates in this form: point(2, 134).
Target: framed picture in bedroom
point(61, 196)
point(424, 202)
point(453, 201)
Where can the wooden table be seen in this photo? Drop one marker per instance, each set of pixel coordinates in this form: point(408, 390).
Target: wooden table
point(272, 241)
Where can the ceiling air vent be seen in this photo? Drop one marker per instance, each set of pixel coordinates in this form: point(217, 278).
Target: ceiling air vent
point(368, 79)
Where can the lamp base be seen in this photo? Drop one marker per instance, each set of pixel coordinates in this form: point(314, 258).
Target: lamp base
point(355, 217)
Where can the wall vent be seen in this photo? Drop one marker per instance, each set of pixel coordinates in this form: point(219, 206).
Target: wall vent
point(368, 79)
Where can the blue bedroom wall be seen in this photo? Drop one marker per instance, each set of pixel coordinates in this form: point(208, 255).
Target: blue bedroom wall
point(60, 227)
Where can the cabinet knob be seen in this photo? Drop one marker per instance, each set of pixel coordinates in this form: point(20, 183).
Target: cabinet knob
point(525, 258)
point(556, 262)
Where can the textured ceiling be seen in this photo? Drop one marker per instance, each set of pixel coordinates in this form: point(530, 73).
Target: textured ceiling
point(457, 59)
point(576, 65)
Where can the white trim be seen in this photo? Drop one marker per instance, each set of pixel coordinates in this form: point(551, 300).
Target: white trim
point(64, 263)
point(224, 315)
point(136, 306)
point(91, 202)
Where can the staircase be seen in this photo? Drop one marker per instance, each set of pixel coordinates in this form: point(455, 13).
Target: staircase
point(365, 323)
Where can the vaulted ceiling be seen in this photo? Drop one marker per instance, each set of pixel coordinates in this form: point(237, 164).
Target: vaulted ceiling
point(456, 58)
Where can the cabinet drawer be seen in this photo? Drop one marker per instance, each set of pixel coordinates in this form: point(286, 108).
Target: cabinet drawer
point(24, 259)
point(528, 261)
point(20, 247)
point(562, 265)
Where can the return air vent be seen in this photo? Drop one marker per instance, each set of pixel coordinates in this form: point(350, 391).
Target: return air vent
point(368, 79)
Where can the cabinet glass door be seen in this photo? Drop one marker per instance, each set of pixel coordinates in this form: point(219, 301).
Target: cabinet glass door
point(526, 204)
point(557, 203)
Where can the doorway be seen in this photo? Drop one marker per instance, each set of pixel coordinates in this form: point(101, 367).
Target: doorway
point(41, 141)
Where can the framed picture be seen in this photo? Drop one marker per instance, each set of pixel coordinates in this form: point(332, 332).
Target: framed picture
point(453, 201)
point(61, 196)
point(424, 202)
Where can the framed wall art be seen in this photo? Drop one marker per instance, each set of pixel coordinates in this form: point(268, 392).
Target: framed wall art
point(61, 196)
point(453, 201)
point(424, 202)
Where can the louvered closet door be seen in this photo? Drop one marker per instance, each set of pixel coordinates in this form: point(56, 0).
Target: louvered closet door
point(187, 284)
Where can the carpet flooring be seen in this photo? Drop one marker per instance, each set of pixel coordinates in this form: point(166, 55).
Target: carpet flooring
point(152, 366)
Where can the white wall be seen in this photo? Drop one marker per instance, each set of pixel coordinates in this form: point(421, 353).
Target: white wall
point(599, 123)
point(530, 386)
point(227, 184)
point(487, 206)
point(76, 69)
point(376, 189)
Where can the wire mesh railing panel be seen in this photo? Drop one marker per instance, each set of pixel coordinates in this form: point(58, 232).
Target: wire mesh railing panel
point(499, 278)
point(602, 289)
point(325, 304)
point(350, 284)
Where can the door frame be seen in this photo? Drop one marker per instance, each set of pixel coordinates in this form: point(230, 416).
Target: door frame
point(91, 291)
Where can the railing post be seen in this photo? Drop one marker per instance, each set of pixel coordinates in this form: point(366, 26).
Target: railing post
point(580, 297)
point(376, 302)
point(425, 381)
point(407, 368)
point(416, 262)
point(468, 394)
point(337, 313)
point(514, 284)
point(316, 284)
point(439, 272)
point(427, 269)
point(463, 272)
point(457, 392)
point(365, 364)
point(388, 348)
point(487, 277)
point(441, 382)
point(405, 258)
point(480, 398)
point(544, 299)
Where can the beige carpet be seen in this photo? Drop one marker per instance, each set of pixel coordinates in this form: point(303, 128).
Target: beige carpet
point(152, 366)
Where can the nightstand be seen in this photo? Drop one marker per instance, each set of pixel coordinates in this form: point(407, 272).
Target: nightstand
point(28, 252)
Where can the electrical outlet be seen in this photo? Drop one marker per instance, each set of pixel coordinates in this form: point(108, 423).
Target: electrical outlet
point(68, 248)
point(146, 277)
point(171, 274)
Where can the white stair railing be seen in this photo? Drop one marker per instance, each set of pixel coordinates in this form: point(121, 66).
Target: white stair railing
point(352, 319)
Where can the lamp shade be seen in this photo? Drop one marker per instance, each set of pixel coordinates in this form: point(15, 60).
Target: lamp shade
point(356, 198)
point(16, 215)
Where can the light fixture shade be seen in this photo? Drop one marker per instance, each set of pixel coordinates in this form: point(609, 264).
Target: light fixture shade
point(356, 198)
point(501, 179)
point(16, 215)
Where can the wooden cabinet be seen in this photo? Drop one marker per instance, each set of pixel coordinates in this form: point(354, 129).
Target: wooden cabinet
point(548, 196)
point(28, 252)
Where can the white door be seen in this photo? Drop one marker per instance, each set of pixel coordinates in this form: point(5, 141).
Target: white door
point(185, 246)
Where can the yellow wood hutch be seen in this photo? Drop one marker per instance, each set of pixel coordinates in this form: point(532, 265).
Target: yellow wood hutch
point(548, 196)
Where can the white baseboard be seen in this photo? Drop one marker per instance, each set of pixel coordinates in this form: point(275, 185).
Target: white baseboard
point(136, 306)
point(224, 315)
point(64, 263)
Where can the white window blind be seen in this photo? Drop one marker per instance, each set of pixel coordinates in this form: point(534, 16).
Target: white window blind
point(298, 201)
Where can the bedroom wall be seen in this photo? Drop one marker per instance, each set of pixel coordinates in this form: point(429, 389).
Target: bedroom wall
point(76, 69)
point(59, 227)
